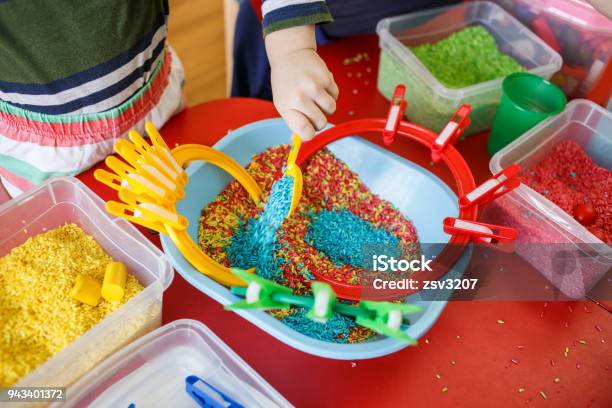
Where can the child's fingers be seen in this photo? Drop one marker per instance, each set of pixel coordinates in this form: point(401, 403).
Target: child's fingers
point(326, 103)
point(314, 114)
point(299, 123)
point(332, 88)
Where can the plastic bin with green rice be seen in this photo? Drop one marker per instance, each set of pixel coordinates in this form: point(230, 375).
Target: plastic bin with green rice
point(454, 55)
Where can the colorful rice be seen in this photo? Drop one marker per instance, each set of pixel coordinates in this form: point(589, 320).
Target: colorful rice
point(255, 241)
point(331, 191)
point(39, 318)
point(467, 57)
point(568, 177)
point(329, 228)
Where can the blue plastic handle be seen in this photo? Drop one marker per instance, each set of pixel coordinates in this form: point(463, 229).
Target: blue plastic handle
point(210, 396)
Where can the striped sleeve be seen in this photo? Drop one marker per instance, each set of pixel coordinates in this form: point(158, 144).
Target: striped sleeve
point(281, 14)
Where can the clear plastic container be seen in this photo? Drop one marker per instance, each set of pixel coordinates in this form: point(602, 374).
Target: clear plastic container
point(430, 103)
point(541, 221)
point(581, 34)
point(151, 372)
point(66, 200)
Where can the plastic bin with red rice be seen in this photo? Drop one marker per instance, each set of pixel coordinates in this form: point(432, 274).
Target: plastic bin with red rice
point(66, 200)
point(547, 232)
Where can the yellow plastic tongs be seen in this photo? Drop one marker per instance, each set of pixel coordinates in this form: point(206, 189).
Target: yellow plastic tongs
point(293, 170)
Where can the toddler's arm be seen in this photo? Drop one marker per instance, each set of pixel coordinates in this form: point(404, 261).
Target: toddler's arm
point(303, 89)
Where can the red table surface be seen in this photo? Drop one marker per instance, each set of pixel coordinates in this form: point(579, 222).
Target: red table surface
point(478, 354)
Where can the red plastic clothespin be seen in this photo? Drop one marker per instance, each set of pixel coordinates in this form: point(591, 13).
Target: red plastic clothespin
point(540, 26)
point(480, 232)
point(396, 112)
point(496, 186)
point(451, 132)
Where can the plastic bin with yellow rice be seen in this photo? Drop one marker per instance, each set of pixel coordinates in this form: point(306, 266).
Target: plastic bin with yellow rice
point(47, 237)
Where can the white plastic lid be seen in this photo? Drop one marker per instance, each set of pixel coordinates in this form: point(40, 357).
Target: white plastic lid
point(152, 370)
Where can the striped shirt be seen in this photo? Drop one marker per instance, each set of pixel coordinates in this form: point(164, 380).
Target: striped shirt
point(64, 57)
point(74, 77)
point(280, 14)
point(77, 75)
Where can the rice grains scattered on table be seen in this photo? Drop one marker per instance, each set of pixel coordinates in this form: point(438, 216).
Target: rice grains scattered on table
point(39, 318)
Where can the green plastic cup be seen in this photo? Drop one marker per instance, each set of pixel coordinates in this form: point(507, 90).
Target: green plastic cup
point(526, 101)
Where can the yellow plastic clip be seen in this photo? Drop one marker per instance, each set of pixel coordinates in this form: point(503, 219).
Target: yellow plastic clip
point(160, 146)
point(154, 179)
point(162, 165)
point(142, 176)
point(111, 180)
point(293, 170)
point(127, 150)
point(160, 214)
point(140, 144)
point(129, 212)
point(142, 185)
point(120, 168)
point(157, 140)
point(152, 166)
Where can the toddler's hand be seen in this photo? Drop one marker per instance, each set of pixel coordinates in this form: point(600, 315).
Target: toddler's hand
point(303, 89)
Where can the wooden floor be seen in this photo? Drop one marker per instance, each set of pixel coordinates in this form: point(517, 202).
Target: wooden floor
point(197, 34)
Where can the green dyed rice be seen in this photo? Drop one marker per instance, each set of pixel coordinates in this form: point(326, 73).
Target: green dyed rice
point(465, 58)
point(469, 56)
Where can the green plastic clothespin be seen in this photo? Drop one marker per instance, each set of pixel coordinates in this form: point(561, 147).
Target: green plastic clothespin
point(324, 299)
point(387, 318)
point(259, 293)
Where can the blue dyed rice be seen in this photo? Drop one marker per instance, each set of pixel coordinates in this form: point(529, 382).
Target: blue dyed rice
point(255, 241)
point(342, 236)
point(336, 330)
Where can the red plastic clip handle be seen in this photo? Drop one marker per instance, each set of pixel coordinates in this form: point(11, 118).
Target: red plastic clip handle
point(541, 27)
point(451, 132)
point(478, 231)
point(396, 112)
point(496, 186)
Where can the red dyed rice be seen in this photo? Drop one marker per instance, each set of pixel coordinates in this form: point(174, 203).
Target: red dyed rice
point(568, 177)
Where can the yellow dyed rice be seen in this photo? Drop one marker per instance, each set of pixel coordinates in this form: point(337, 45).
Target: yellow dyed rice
point(38, 317)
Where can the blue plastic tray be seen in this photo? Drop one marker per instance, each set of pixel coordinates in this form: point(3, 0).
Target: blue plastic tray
point(410, 187)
